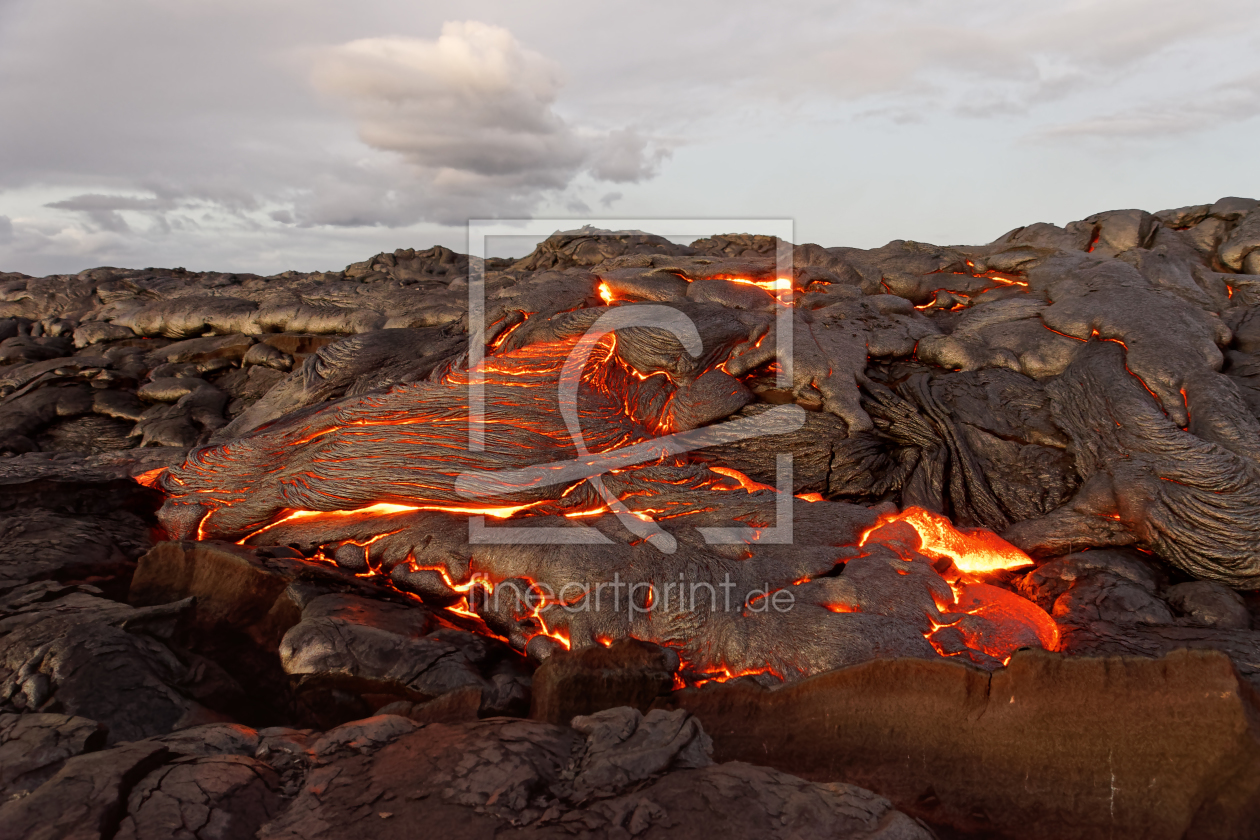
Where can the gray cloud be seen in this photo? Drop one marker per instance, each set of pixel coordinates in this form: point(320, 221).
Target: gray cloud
point(625, 156)
point(1222, 104)
point(104, 211)
point(6, 229)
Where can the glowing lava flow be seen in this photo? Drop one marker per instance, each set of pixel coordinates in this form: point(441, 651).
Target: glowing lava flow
point(780, 285)
point(149, 477)
point(386, 509)
point(981, 617)
point(1007, 615)
point(973, 550)
point(781, 288)
point(378, 472)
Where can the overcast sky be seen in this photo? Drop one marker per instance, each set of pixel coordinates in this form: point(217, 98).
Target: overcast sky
point(262, 135)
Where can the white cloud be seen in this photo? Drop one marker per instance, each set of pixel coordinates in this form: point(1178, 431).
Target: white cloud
point(474, 113)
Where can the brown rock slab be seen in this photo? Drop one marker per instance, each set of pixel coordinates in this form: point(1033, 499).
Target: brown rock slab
point(236, 589)
point(580, 682)
point(1050, 747)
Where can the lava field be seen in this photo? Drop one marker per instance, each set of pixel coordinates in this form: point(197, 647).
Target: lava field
point(633, 538)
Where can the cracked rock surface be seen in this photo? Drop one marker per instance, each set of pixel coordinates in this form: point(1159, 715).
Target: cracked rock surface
point(615, 774)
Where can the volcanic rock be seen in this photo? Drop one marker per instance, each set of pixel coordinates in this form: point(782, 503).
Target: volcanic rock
point(319, 637)
point(350, 655)
point(33, 747)
point(1209, 604)
point(462, 705)
point(41, 545)
point(1090, 392)
point(244, 603)
point(67, 650)
point(1099, 585)
point(87, 798)
point(217, 796)
point(629, 776)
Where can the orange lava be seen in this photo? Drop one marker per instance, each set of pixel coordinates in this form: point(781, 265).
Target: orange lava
point(149, 477)
point(780, 285)
point(990, 619)
point(725, 674)
point(973, 550)
point(780, 288)
point(384, 509)
point(1011, 620)
point(744, 481)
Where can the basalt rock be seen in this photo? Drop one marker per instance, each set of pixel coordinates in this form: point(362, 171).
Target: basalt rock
point(87, 798)
point(40, 545)
point(222, 796)
point(350, 655)
point(66, 650)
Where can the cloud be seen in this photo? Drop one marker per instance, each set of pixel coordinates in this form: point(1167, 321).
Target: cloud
point(625, 156)
point(1221, 104)
point(103, 211)
point(975, 59)
point(473, 113)
point(6, 230)
point(274, 134)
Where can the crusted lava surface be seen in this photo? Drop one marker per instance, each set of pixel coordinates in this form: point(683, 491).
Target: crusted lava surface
point(770, 461)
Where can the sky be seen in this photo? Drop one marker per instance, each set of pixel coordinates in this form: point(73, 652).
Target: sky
point(265, 135)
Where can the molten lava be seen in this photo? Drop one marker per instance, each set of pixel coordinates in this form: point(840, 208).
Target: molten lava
point(1013, 622)
point(372, 483)
point(973, 550)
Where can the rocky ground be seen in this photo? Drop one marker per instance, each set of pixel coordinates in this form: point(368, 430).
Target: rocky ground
point(1089, 392)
